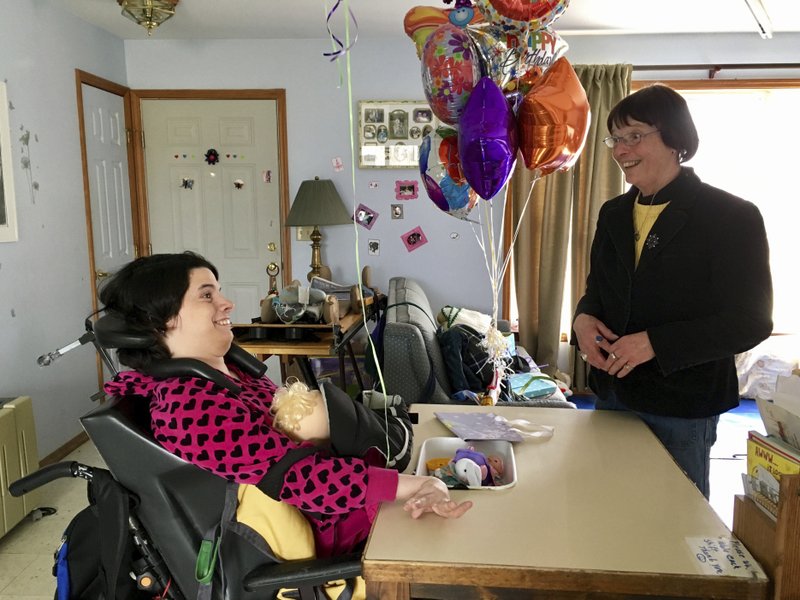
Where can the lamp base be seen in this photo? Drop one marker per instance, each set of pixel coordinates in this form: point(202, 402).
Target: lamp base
point(317, 268)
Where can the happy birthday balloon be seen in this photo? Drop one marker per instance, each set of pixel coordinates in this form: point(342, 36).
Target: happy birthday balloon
point(554, 120)
point(450, 70)
point(487, 139)
point(521, 14)
point(440, 168)
point(515, 61)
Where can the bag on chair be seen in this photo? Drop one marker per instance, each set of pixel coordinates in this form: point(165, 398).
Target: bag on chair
point(88, 565)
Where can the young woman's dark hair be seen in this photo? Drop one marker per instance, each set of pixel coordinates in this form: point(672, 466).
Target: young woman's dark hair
point(147, 293)
point(666, 110)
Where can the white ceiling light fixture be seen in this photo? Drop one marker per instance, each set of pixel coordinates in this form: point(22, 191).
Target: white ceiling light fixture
point(148, 13)
point(759, 12)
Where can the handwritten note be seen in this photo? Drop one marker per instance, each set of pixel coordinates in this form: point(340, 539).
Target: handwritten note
point(724, 556)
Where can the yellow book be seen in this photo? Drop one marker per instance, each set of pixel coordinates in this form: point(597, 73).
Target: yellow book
point(768, 458)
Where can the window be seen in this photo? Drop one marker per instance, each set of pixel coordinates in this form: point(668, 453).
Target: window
point(748, 146)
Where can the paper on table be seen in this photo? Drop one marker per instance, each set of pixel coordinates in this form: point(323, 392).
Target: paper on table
point(489, 426)
point(724, 556)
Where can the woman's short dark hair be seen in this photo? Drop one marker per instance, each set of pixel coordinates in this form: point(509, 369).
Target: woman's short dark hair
point(147, 293)
point(666, 110)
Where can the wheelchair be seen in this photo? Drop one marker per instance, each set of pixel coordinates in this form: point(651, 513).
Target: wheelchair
point(173, 504)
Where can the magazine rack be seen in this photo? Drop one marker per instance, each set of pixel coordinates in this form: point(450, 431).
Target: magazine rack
point(774, 544)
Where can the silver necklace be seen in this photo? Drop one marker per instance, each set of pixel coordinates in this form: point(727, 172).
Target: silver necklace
point(637, 227)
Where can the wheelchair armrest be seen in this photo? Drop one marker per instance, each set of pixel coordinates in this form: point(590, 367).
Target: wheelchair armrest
point(300, 573)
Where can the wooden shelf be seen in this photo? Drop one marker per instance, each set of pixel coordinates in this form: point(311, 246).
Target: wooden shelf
point(775, 545)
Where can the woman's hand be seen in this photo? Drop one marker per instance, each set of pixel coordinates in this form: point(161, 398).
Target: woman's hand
point(433, 496)
point(628, 352)
point(594, 340)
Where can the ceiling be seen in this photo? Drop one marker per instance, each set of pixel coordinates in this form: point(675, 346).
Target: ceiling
point(286, 19)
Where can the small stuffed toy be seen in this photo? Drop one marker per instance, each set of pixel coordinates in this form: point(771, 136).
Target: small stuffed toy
point(472, 469)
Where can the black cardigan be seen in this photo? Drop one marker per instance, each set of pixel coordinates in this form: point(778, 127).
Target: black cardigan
point(702, 291)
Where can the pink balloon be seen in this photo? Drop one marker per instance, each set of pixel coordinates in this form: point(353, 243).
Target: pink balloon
point(487, 140)
point(450, 70)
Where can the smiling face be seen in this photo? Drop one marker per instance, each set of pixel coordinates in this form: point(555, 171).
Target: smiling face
point(202, 328)
point(650, 164)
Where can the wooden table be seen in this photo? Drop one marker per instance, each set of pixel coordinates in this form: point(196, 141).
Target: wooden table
point(317, 340)
point(600, 508)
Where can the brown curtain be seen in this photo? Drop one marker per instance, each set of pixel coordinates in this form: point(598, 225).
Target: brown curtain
point(564, 204)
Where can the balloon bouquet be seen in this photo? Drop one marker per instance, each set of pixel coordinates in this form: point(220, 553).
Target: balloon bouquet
point(495, 74)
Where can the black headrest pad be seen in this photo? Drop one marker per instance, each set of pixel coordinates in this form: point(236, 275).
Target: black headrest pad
point(112, 331)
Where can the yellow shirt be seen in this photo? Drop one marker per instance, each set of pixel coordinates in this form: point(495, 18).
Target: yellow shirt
point(644, 215)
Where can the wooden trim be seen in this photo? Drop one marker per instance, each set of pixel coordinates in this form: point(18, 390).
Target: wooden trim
point(81, 78)
point(58, 454)
point(719, 84)
point(278, 95)
point(434, 581)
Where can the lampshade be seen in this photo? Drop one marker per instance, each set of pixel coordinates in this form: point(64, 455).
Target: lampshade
point(148, 13)
point(317, 203)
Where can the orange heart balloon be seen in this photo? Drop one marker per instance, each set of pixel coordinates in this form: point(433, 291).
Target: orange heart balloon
point(553, 120)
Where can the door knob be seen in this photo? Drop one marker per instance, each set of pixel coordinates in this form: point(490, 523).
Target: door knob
point(101, 274)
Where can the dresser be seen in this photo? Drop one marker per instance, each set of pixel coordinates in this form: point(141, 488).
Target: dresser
point(18, 457)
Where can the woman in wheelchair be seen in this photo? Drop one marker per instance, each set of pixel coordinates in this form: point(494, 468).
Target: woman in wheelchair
point(177, 299)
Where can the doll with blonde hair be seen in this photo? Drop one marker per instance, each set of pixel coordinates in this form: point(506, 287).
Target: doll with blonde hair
point(374, 427)
point(300, 412)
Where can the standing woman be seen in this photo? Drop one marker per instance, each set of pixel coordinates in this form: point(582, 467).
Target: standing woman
point(679, 282)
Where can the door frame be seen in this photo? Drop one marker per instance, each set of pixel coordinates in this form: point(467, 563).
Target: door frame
point(137, 179)
point(139, 173)
point(81, 78)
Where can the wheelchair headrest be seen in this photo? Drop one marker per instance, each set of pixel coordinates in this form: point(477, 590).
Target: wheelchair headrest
point(111, 331)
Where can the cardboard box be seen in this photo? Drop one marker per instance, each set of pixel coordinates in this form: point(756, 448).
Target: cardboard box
point(445, 447)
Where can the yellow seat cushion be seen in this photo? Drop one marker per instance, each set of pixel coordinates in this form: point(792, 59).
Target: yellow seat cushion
point(286, 531)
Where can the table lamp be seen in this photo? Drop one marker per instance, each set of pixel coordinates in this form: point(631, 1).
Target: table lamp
point(317, 203)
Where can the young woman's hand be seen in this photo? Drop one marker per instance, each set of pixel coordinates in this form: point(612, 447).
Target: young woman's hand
point(433, 496)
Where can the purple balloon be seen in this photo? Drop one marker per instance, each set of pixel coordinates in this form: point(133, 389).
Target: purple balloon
point(487, 139)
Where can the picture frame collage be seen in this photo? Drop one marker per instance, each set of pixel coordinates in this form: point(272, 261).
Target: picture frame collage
point(390, 132)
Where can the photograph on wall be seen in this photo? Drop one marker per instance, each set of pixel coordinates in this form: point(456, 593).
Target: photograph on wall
point(414, 239)
point(8, 213)
point(365, 216)
point(390, 132)
point(406, 189)
point(374, 247)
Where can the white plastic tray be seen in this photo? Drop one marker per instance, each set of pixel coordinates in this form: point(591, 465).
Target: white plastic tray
point(445, 447)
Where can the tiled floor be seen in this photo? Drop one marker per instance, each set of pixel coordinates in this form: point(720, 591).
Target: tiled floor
point(26, 553)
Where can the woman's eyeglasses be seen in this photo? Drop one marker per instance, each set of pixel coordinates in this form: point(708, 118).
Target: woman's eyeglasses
point(630, 139)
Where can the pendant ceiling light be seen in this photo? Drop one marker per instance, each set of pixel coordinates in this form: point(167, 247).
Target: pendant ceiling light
point(148, 13)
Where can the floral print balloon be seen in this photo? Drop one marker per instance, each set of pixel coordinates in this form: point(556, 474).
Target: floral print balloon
point(450, 70)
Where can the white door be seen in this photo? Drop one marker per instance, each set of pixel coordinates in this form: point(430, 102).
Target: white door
point(109, 187)
point(229, 211)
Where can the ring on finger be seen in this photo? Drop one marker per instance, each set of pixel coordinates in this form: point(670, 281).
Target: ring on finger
point(613, 356)
point(627, 366)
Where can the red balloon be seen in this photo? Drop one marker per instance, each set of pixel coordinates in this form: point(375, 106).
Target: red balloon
point(553, 120)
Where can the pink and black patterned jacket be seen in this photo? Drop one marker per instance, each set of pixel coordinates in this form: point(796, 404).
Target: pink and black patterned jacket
point(232, 436)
